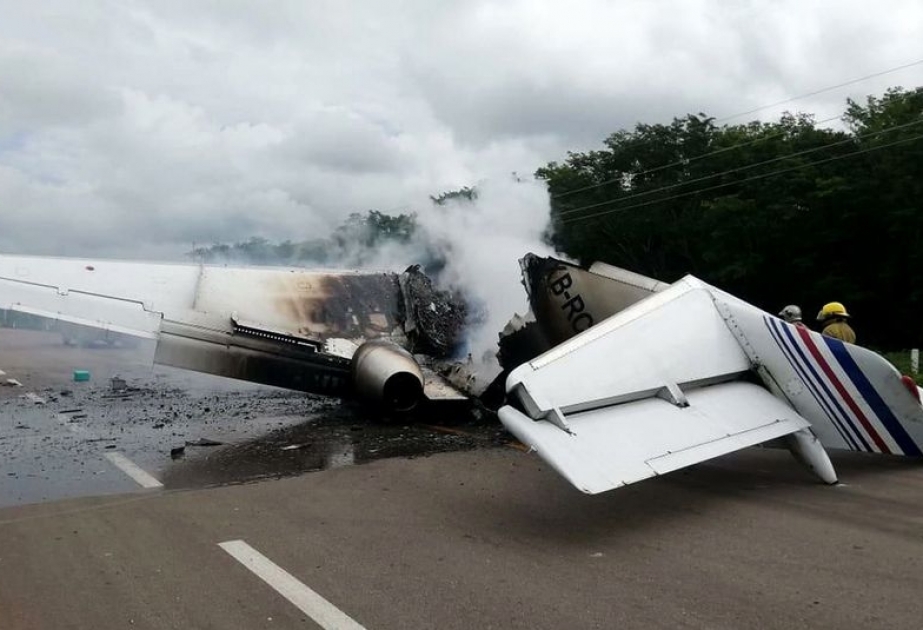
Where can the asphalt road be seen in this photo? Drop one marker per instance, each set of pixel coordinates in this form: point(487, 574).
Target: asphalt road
point(482, 537)
point(57, 436)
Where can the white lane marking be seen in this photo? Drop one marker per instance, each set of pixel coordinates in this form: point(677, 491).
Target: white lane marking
point(131, 469)
point(306, 600)
point(38, 400)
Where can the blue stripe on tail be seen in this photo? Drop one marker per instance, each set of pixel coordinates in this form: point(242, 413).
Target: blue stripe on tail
point(872, 397)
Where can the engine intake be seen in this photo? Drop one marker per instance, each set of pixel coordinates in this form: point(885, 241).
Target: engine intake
point(386, 376)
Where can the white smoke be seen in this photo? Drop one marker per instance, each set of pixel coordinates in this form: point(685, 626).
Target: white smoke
point(483, 240)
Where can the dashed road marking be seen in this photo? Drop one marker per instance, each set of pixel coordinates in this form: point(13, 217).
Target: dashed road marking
point(144, 479)
point(38, 400)
point(305, 599)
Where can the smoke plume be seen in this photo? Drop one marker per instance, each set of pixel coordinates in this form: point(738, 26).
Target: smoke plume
point(481, 240)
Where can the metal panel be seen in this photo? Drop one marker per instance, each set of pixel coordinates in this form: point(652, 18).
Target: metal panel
point(674, 337)
point(615, 446)
point(304, 303)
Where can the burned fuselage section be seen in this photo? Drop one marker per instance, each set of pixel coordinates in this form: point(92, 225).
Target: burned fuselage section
point(564, 300)
point(567, 299)
point(293, 328)
point(341, 334)
point(302, 329)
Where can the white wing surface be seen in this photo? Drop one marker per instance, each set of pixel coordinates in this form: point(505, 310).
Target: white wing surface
point(655, 388)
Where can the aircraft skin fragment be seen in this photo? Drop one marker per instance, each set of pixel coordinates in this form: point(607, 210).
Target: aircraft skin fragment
point(567, 299)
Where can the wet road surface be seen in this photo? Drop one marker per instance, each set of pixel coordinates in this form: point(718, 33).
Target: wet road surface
point(58, 437)
point(480, 537)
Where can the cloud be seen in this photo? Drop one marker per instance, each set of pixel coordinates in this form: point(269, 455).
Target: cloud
point(137, 128)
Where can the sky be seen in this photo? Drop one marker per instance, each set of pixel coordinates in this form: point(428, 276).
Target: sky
point(135, 129)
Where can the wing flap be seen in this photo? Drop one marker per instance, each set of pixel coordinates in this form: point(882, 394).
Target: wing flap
point(615, 446)
point(118, 315)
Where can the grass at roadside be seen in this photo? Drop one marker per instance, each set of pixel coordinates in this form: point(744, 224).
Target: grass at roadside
point(901, 360)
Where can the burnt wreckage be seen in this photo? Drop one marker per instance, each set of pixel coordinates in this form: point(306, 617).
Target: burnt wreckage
point(389, 340)
point(612, 377)
point(376, 337)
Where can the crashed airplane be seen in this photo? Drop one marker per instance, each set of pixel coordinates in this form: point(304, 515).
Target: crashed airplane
point(614, 378)
point(334, 333)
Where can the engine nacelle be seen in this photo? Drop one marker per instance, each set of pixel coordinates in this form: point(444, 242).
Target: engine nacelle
point(386, 376)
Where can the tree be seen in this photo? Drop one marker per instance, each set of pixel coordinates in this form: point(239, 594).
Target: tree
point(777, 212)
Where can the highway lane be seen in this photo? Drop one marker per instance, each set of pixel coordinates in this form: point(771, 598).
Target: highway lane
point(61, 439)
point(434, 529)
point(484, 538)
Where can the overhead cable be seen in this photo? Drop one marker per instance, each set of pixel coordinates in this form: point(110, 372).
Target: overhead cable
point(822, 90)
point(745, 180)
point(702, 156)
point(738, 169)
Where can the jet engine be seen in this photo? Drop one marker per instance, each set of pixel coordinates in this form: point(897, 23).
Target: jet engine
point(386, 376)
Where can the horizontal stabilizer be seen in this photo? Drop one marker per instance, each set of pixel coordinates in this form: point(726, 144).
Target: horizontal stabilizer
point(614, 446)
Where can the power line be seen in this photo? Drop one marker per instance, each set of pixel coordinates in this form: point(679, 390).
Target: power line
point(822, 90)
point(748, 143)
point(745, 167)
point(684, 161)
point(696, 158)
point(745, 180)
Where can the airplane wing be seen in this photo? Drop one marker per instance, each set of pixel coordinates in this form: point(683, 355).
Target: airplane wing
point(685, 372)
point(657, 387)
point(292, 328)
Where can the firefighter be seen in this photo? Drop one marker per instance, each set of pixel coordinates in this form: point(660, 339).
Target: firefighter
point(833, 320)
point(792, 314)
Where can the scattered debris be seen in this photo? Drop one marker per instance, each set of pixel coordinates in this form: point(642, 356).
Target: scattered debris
point(118, 384)
point(176, 453)
point(109, 446)
point(434, 320)
point(12, 382)
point(159, 425)
point(35, 398)
point(204, 442)
point(294, 447)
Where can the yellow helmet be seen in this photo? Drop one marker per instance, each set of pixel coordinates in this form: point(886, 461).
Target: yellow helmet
point(832, 309)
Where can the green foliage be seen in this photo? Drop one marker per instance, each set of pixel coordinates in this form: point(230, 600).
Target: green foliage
point(350, 243)
point(353, 243)
point(901, 360)
point(776, 212)
point(373, 229)
point(465, 193)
